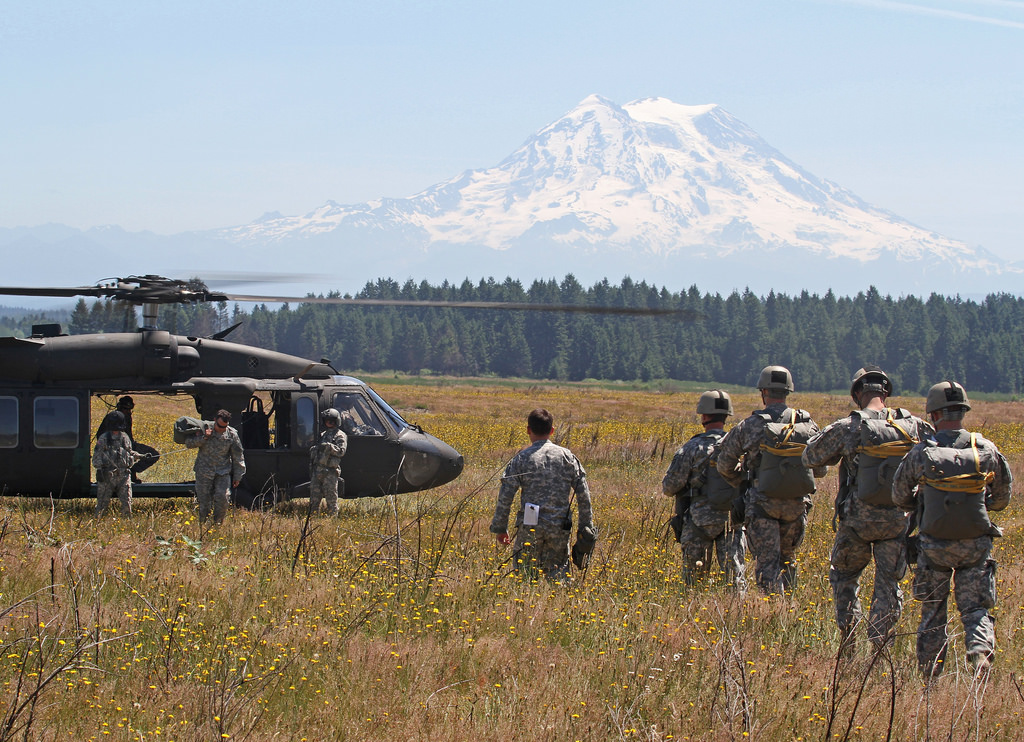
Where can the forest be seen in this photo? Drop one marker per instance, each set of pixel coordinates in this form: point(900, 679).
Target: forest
point(823, 339)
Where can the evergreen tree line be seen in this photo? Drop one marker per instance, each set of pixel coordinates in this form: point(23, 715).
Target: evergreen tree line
point(822, 339)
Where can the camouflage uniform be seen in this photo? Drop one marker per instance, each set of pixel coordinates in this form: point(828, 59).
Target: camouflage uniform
point(325, 469)
point(967, 563)
point(220, 462)
point(865, 530)
point(774, 527)
point(704, 529)
point(113, 459)
point(545, 473)
point(147, 454)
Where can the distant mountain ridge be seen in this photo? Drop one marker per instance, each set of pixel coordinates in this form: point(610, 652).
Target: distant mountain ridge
point(659, 191)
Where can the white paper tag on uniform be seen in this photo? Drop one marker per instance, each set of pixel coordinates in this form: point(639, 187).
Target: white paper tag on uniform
point(531, 514)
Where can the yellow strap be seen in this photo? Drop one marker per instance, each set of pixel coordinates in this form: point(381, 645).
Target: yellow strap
point(791, 449)
point(973, 483)
point(887, 449)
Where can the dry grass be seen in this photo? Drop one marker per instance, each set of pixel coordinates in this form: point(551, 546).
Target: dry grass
point(401, 620)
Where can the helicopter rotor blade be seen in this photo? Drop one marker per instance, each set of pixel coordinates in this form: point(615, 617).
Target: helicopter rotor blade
point(55, 292)
point(151, 289)
point(444, 304)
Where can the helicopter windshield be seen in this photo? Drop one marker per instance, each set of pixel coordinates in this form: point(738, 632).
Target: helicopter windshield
point(397, 420)
point(358, 416)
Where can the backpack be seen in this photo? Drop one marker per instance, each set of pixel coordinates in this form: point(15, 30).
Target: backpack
point(781, 473)
point(719, 492)
point(186, 427)
point(953, 490)
point(883, 444)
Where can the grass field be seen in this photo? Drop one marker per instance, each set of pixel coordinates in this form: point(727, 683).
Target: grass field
point(401, 620)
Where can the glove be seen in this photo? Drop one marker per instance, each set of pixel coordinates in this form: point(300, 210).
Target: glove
point(739, 509)
point(586, 538)
point(676, 524)
point(912, 550)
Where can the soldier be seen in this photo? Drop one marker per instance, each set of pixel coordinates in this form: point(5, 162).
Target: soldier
point(765, 449)
point(220, 465)
point(113, 459)
point(868, 445)
point(952, 480)
point(704, 500)
point(148, 455)
point(325, 480)
point(544, 473)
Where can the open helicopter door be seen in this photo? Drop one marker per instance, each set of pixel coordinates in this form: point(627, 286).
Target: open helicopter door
point(45, 443)
point(281, 471)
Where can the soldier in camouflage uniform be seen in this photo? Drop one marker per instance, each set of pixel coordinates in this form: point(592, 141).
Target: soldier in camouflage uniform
point(952, 480)
point(774, 522)
point(544, 473)
point(220, 465)
point(703, 516)
point(147, 454)
point(325, 480)
point(113, 459)
point(868, 445)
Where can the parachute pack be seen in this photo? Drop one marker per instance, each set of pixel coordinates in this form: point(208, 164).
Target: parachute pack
point(187, 427)
point(883, 444)
point(719, 492)
point(953, 490)
point(782, 474)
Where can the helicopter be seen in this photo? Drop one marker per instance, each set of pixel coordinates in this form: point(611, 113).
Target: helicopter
point(47, 382)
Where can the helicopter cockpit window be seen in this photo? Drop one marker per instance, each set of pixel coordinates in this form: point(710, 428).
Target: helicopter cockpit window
point(397, 421)
point(305, 422)
point(56, 422)
point(8, 422)
point(358, 417)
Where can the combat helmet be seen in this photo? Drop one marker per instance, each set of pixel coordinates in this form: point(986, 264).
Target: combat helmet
point(777, 378)
point(114, 421)
point(946, 394)
point(871, 378)
point(714, 402)
point(331, 414)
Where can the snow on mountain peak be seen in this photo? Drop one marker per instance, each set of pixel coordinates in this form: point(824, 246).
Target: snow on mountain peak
point(651, 176)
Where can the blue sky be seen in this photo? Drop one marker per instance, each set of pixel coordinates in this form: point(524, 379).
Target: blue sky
point(193, 115)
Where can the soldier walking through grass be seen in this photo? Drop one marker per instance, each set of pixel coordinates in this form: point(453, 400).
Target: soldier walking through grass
point(952, 480)
point(868, 445)
point(546, 475)
point(704, 522)
point(113, 458)
point(765, 449)
point(325, 482)
point(220, 465)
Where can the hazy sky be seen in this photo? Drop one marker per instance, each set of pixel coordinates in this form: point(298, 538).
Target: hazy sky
point(184, 115)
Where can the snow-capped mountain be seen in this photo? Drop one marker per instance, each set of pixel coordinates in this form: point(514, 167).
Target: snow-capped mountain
point(649, 185)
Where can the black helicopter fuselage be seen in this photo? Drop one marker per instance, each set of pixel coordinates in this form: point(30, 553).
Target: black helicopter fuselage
point(46, 431)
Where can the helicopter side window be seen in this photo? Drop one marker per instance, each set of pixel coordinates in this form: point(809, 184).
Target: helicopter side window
point(8, 422)
point(56, 422)
point(358, 417)
point(305, 422)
